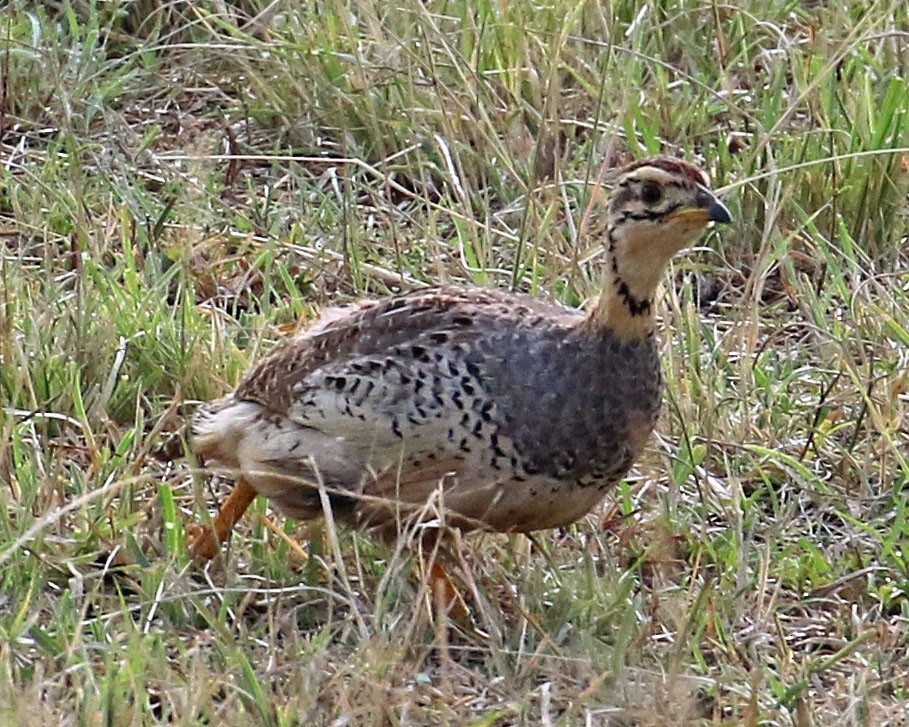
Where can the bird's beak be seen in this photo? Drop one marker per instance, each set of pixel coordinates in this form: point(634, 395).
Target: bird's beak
point(708, 209)
point(716, 210)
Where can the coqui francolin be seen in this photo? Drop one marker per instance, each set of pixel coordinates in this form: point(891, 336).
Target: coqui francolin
point(516, 414)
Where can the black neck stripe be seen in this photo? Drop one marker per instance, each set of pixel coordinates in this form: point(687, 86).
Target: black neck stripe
point(636, 306)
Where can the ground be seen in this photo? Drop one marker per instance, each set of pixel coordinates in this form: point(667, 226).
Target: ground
point(184, 184)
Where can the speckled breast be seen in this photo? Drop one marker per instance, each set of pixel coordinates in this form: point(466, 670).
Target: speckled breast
point(577, 408)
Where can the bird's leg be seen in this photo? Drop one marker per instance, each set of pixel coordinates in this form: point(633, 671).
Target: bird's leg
point(203, 541)
point(446, 596)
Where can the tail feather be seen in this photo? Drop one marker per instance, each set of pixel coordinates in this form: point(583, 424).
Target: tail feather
point(217, 428)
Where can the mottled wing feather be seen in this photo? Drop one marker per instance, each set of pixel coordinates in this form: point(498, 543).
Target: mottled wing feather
point(429, 318)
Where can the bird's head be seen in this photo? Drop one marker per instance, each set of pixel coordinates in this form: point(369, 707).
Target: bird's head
point(656, 208)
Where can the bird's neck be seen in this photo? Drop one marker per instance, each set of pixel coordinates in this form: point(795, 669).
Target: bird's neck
point(626, 304)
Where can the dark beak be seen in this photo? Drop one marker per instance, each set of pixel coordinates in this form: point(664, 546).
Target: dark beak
point(716, 210)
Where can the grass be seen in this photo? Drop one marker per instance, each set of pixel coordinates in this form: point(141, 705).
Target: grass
point(181, 183)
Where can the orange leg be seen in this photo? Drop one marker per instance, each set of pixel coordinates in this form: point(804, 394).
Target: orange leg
point(446, 596)
point(204, 542)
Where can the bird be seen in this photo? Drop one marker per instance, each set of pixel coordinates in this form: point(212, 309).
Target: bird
point(516, 414)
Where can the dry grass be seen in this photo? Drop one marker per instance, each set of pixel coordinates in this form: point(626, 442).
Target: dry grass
point(182, 183)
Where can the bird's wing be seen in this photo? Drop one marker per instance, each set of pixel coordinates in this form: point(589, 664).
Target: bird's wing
point(391, 381)
point(356, 342)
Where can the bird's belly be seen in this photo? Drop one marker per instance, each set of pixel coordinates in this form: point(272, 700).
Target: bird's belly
point(472, 495)
point(533, 504)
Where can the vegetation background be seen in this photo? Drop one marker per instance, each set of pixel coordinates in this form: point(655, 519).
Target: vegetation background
point(183, 183)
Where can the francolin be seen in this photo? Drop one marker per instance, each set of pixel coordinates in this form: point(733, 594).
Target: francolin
point(516, 414)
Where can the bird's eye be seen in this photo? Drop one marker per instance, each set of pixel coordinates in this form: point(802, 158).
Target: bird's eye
point(651, 193)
